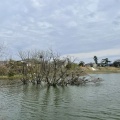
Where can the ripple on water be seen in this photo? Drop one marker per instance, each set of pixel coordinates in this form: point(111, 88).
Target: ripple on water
point(89, 102)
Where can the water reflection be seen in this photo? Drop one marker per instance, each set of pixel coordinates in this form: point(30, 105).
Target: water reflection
point(42, 101)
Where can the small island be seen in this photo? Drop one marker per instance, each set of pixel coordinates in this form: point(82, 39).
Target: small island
point(49, 67)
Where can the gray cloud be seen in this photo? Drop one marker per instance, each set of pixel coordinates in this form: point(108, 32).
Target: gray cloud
point(68, 26)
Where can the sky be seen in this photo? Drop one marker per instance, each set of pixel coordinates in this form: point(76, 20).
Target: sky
point(77, 28)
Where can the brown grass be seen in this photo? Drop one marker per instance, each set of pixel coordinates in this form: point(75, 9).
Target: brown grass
point(101, 70)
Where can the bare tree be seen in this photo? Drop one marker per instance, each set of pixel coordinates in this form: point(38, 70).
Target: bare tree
point(47, 66)
point(2, 50)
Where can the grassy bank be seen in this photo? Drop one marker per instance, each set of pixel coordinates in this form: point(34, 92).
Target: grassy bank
point(103, 70)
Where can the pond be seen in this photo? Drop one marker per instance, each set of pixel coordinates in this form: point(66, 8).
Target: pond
point(93, 101)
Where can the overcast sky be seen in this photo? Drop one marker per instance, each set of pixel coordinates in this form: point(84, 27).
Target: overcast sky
point(80, 28)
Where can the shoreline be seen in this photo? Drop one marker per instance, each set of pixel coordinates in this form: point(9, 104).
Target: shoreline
point(100, 70)
point(87, 70)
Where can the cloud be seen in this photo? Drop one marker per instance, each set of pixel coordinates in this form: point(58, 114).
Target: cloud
point(71, 24)
point(36, 3)
point(99, 54)
point(79, 26)
point(45, 25)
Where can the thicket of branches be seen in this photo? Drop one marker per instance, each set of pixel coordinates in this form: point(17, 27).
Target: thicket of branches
point(2, 50)
point(3, 69)
point(49, 67)
point(44, 66)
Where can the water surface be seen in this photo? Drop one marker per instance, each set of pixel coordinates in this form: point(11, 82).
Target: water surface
point(92, 101)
